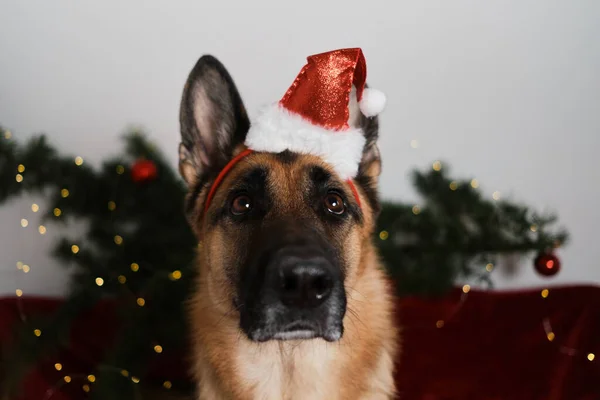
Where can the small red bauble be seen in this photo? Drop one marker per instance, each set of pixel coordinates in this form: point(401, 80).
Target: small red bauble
point(547, 264)
point(143, 171)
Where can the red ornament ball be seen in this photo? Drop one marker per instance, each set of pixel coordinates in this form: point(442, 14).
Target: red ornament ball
point(143, 171)
point(547, 264)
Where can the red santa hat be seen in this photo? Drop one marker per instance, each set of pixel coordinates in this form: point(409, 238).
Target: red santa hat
point(312, 117)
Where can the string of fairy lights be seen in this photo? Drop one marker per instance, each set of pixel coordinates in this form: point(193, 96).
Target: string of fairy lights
point(489, 267)
point(88, 380)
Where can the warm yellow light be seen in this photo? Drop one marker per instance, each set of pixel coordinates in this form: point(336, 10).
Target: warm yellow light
point(122, 279)
point(453, 185)
point(19, 265)
point(64, 193)
point(124, 372)
point(120, 169)
point(474, 183)
point(24, 223)
point(26, 268)
point(416, 210)
point(91, 378)
point(78, 160)
point(158, 348)
point(591, 356)
point(58, 366)
point(545, 293)
point(175, 275)
point(19, 292)
point(414, 143)
point(57, 212)
point(75, 249)
point(112, 205)
point(135, 379)
point(37, 332)
point(67, 379)
point(99, 281)
point(140, 301)
point(86, 387)
point(439, 324)
point(383, 235)
point(118, 240)
point(489, 267)
point(466, 289)
point(21, 168)
point(437, 166)
point(19, 178)
point(135, 267)
point(35, 207)
point(550, 336)
point(496, 195)
point(167, 385)
point(42, 230)
point(7, 135)
point(533, 228)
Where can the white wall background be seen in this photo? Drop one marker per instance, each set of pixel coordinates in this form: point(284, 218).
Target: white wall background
point(505, 91)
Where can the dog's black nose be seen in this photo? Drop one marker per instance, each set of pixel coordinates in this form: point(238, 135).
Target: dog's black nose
point(305, 282)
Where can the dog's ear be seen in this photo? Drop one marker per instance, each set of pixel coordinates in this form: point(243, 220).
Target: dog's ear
point(213, 120)
point(370, 165)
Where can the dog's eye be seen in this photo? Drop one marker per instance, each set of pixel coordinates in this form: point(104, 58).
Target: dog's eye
point(241, 204)
point(334, 203)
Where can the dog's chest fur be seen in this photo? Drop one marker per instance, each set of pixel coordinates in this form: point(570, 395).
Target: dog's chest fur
point(298, 371)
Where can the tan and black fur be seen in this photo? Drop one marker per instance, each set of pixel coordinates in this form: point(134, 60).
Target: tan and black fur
point(286, 191)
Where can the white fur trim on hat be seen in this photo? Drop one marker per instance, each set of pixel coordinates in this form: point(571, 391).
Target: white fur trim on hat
point(276, 130)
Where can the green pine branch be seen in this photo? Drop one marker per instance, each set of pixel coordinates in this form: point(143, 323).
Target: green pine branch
point(154, 236)
point(455, 233)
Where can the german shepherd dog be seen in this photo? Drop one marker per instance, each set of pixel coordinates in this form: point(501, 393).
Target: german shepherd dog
point(291, 300)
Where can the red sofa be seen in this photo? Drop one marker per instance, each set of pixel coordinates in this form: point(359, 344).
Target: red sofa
point(490, 346)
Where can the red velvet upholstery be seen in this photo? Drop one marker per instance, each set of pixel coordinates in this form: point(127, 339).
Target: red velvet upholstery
point(494, 348)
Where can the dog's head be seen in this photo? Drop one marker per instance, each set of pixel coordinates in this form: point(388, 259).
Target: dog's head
point(282, 239)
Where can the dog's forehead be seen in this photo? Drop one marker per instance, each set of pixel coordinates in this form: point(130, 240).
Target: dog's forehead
point(286, 168)
point(286, 174)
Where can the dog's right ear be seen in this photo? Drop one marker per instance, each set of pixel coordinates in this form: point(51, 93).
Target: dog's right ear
point(213, 121)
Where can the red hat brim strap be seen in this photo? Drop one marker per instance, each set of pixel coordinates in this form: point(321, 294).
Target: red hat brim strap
point(222, 175)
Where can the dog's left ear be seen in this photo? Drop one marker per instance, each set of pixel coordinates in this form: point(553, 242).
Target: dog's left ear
point(370, 164)
point(213, 121)
point(369, 168)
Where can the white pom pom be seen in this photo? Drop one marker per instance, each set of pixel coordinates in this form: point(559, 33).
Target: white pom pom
point(372, 102)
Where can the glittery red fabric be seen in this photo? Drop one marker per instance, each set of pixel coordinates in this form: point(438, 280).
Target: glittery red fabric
point(494, 348)
point(321, 91)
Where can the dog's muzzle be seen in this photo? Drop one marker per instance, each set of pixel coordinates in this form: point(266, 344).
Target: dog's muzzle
point(293, 290)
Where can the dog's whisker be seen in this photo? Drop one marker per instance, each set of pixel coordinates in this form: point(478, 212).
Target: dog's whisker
point(362, 297)
point(225, 315)
point(211, 305)
point(354, 317)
